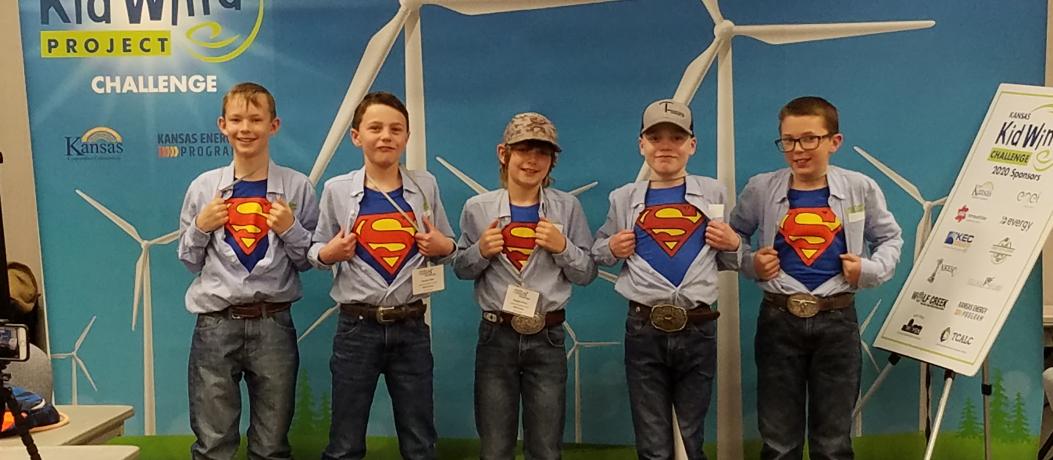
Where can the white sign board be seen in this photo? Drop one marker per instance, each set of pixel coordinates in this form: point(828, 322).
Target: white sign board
point(985, 242)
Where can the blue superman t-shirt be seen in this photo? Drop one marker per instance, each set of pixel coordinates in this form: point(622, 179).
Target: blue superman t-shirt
point(519, 234)
point(385, 237)
point(670, 232)
point(247, 228)
point(810, 239)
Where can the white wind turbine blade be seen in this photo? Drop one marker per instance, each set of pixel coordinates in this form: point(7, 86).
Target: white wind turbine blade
point(84, 369)
point(905, 184)
point(940, 202)
point(870, 316)
point(318, 322)
point(471, 183)
point(137, 287)
point(573, 338)
point(584, 188)
point(372, 59)
point(123, 224)
point(781, 34)
point(83, 334)
point(165, 239)
point(714, 10)
point(607, 276)
point(598, 344)
point(476, 7)
point(416, 149)
point(696, 72)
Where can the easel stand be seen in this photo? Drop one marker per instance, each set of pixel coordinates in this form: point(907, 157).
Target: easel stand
point(948, 379)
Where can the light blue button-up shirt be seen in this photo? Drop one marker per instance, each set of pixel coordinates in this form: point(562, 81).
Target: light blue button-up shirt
point(548, 274)
point(355, 280)
point(857, 201)
point(637, 280)
point(221, 278)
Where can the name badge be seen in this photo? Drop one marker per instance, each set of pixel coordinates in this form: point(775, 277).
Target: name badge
point(521, 301)
point(857, 216)
point(428, 279)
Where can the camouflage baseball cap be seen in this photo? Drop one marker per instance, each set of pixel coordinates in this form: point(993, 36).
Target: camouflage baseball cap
point(531, 126)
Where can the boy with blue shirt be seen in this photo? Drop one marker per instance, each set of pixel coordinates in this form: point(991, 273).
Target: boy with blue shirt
point(670, 234)
point(524, 240)
point(376, 233)
point(246, 229)
point(815, 226)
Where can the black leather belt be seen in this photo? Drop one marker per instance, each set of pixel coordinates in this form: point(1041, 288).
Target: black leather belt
point(527, 325)
point(252, 310)
point(385, 315)
point(671, 318)
point(807, 305)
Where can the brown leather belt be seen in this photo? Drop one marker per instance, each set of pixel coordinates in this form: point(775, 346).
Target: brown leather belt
point(253, 310)
point(671, 318)
point(385, 315)
point(807, 305)
point(525, 325)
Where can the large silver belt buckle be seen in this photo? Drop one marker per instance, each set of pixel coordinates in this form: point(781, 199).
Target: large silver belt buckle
point(381, 316)
point(803, 305)
point(668, 318)
point(528, 325)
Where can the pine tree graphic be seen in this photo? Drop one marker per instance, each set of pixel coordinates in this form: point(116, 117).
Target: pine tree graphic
point(305, 419)
point(1018, 426)
point(999, 409)
point(970, 424)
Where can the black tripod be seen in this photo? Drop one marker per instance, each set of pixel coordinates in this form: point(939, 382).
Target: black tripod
point(12, 404)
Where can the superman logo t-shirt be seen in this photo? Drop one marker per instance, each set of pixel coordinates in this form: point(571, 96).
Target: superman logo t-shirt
point(519, 235)
point(247, 226)
point(385, 237)
point(810, 239)
point(670, 232)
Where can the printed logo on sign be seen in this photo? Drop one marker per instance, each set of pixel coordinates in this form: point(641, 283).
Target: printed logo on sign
point(1027, 198)
point(215, 30)
point(193, 145)
point(925, 299)
point(1020, 224)
point(985, 283)
point(1024, 148)
point(983, 191)
point(958, 240)
point(98, 143)
point(964, 214)
point(1001, 251)
point(147, 84)
point(954, 338)
point(941, 268)
point(970, 311)
point(946, 334)
point(912, 327)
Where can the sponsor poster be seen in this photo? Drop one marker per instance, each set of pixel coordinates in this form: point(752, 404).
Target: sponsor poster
point(986, 240)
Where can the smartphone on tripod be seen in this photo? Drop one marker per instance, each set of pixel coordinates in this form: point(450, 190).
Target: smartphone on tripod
point(14, 344)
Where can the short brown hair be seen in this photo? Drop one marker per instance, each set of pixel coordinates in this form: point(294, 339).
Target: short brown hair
point(503, 167)
point(248, 91)
point(812, 105)
point(379, 97)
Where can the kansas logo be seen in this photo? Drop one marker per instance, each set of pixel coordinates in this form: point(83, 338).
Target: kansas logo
point(809, 231)
point(388, 238)
point(519, 242)
point(671, 224)
point(96, 143)
point(247, 221)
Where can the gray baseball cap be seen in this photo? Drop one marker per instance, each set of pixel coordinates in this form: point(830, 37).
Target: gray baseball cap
point(667, 111)
point(530, 126)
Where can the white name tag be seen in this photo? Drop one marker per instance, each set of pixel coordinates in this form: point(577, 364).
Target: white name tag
point(857, 216)
point(716, 211)
point(428, 279)
point(521, 301)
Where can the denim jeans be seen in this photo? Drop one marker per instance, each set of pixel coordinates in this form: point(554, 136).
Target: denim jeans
point(807, 373)
point(667, 370)
point(511, 369)
point(362, 350)
point(223, 351)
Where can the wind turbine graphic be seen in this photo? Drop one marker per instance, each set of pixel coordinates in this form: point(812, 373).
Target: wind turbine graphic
point(408, 17)
point(76, 362)
point(575, 351)
point(141, 289)
point(857, 427)
point(729, 385)
point(921, 234)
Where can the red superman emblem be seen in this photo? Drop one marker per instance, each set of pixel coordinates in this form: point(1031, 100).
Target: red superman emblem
point(519, 242)
point(671, 224)
point(387, 237)
point(809, 231)
point(247, 221)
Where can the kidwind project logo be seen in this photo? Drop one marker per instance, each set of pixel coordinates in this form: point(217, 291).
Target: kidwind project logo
point(211, 31)
point(1022, 146)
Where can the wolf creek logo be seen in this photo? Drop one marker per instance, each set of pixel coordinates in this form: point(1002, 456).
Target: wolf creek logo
point(98, 143)
point(929, 300)
point(220, 30)
point(193, 145)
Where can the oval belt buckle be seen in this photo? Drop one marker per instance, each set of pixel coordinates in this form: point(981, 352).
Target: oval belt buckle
point(668, 318)
point(528, 325)
point(803, 305)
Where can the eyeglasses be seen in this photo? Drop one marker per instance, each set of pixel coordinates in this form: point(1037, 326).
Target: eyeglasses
point(811, 142)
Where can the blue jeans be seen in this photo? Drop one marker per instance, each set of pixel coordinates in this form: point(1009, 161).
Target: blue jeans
point(807, 373)
point(223, 351)
point(510, 368)
point(362, 350)
point(666, 370)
